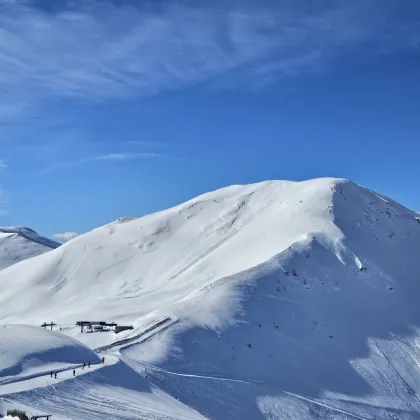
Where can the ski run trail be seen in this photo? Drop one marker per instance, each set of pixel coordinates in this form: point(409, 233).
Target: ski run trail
point(277, 300)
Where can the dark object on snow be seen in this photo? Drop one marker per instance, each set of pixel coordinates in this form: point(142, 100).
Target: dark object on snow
point(42, 416)
point(249, 345)
point(55, 375)
point(120, 328)
point(90, 324)
point(51, 374)
point(21, 415)
point(103, 360)
point(51, 325)
point(88, 364)
point(74, 373)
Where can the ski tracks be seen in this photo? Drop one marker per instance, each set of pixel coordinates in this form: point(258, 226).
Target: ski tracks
point(327, 406)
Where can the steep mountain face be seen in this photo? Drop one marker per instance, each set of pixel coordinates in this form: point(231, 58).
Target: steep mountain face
point(19, 243)
point(288, 300)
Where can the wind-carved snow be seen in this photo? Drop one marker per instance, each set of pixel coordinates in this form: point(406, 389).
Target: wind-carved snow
point(291, 301)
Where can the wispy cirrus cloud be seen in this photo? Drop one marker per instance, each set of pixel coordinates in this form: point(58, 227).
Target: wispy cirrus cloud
point(107, 157)
point(118, 157)
point(3, 164)
point(104, 49)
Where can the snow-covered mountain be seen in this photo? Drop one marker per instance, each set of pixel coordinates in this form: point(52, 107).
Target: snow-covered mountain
point(279, 300)
point(19, 243)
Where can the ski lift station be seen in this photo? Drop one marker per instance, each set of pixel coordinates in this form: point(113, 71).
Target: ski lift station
point(94, 326)
point(98, 326)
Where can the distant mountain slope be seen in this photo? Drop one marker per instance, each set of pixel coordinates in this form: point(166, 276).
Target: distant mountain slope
point(20, 243)
point(293, 300)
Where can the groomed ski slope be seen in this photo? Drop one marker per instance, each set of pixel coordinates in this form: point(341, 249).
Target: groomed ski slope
point(31, 351)
point(29, 354)
point(292, 301)
point(20, 243)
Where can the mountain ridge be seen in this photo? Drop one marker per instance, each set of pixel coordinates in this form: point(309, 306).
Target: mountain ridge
point(220, 219)
point(292, 300)
point(17, 243)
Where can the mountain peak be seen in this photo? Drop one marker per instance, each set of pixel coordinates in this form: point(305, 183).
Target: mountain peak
point(306, 290)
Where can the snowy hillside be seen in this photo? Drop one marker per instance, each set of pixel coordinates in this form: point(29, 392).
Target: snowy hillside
point(20, 243)
point(160, 259)
point(277, 300)
point(26, 351)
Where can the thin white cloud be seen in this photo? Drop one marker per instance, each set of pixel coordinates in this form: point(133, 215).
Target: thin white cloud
point(99, 49)
point(3, 164)
point(125, 156)
point(66, 236)
point(108, 157)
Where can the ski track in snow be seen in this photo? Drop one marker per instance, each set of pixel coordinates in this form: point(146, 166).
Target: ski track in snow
point(189, 375)
point(329, 407)
point(284, 292)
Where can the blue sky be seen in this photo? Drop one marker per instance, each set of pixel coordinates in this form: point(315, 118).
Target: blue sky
point(117, 108)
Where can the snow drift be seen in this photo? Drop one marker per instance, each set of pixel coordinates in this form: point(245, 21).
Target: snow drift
point(20, 243)
point(293, 300)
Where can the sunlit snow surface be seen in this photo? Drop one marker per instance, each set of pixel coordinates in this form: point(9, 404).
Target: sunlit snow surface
point(277, 300)
point(20, 243)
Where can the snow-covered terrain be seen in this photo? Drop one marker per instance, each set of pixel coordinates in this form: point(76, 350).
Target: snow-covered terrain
point(20, 243)
point(28, 351)
point(279, 300)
